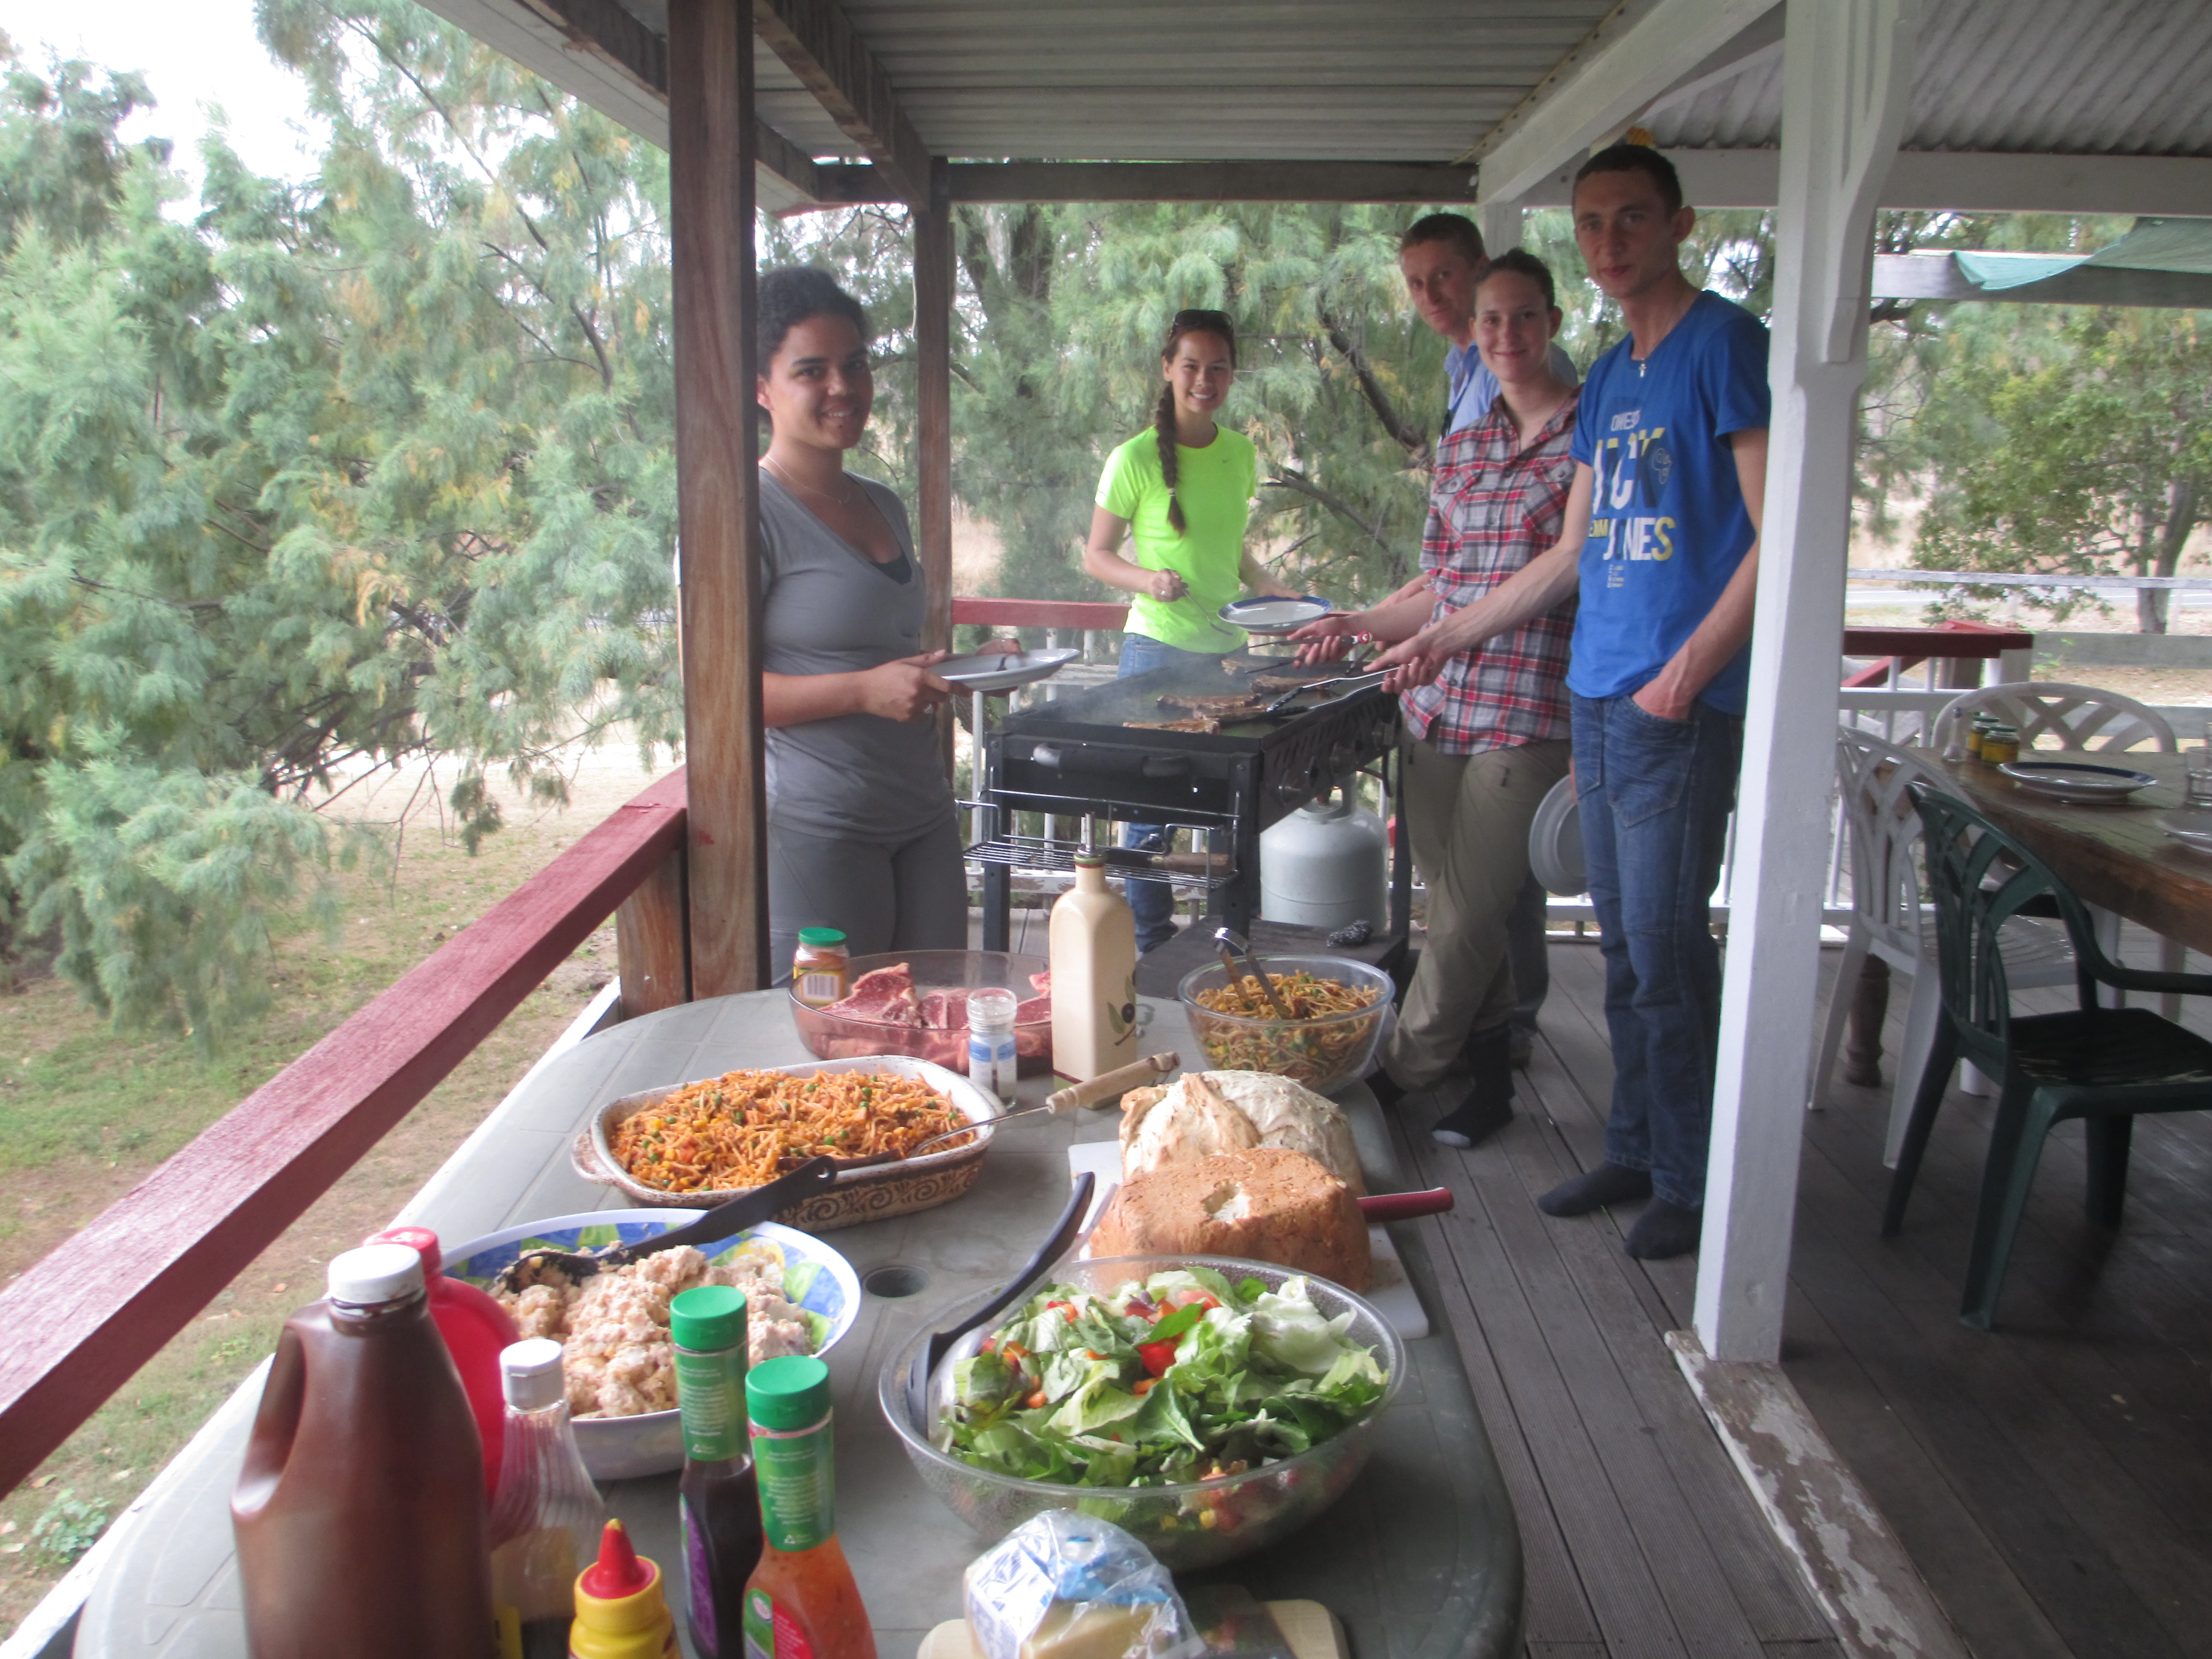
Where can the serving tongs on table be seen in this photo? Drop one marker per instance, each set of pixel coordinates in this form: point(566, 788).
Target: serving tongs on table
point(1061, 1241)
point(750, 1209)
point(1234, 945)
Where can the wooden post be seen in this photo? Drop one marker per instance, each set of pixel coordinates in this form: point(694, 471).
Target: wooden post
point(711, 147)
point(652, 942)
point(933, 399)
point(1847, 74)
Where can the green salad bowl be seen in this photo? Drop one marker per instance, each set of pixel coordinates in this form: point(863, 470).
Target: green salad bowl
point(1187, 1526)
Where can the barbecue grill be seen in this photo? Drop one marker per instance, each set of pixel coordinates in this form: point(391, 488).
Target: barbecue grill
point(1078, 756)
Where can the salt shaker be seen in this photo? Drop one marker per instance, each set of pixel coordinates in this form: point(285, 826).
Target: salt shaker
point(991, 1057)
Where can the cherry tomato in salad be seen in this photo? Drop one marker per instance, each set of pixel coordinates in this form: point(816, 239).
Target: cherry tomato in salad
point(1158, 1357)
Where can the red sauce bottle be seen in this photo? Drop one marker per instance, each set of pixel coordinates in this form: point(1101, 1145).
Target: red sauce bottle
point(360, 1509)
point(477, 1330)
point(801, 1601)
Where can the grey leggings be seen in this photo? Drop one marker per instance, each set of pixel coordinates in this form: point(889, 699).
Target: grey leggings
point(906, 896)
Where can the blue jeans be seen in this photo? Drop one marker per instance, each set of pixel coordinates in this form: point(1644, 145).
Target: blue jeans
point(1655, 797)
point(1152, 903)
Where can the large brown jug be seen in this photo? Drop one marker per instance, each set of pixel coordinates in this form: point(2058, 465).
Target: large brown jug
point(360, 1509)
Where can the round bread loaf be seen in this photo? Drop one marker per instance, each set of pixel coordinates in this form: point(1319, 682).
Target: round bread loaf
point(1263, 1203)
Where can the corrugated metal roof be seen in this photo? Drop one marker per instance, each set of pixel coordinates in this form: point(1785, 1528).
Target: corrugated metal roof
point(1146, 80)
point(2122, 77)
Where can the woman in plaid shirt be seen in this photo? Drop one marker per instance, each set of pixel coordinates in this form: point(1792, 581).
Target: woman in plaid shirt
point(1486, 741)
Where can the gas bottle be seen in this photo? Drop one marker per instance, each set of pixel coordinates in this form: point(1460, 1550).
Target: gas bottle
point(1328, 865)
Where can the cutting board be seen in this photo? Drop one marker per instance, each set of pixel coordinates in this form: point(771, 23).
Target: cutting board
point(1310, 1629)
point(1392, 1292)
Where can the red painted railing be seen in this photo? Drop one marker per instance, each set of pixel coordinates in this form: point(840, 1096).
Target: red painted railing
point(86, 1317)
point(1083, 614)
point(1908, 648)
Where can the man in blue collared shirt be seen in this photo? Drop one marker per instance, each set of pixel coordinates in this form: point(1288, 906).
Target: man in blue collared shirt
point(1441, 258)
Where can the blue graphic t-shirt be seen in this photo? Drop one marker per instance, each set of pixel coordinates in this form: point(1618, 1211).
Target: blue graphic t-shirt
point(1668, 526)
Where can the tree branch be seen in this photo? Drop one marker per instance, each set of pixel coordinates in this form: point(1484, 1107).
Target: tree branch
point(1284, 478)
point(1414, 441)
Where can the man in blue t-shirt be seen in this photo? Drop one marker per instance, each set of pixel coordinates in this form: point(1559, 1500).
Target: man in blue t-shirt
point(1661, 540)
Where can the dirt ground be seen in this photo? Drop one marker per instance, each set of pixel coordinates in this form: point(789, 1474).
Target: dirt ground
point(84, 1114)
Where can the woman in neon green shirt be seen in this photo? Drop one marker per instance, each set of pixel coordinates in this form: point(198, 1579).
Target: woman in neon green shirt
point(1181, 493)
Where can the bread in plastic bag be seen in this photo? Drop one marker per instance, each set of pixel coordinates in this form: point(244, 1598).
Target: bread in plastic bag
point(1068, 1586)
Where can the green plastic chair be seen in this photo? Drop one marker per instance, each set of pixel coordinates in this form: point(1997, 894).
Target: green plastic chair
point(2103, 1064)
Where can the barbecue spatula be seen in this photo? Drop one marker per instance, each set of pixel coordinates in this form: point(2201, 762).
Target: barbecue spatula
point(1062, 1240)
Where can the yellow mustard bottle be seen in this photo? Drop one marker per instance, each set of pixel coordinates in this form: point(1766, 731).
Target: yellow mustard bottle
point(1092, 941)
point(621, 1613)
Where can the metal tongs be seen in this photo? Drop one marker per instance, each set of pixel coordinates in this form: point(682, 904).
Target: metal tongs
point(1119, 1081)
point(1353, 682)
point(1233, 945)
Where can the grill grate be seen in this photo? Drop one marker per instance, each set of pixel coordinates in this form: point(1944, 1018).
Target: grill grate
point(1036, 855)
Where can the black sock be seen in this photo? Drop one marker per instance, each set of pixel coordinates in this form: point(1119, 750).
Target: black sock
point(1384, 1088)
point(1594, 1189)
point(1488, 1107)
point(1664, 1230)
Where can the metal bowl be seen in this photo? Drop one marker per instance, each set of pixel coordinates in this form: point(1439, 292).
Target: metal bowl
point(1248, 1511)
point(1323, 1054)
point(651, 1443)
point(833, 1036)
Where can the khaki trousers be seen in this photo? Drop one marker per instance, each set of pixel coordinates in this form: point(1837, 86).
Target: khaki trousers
point(1468, 818)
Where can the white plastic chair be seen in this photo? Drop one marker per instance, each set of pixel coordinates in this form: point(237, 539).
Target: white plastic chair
point(1888, 919)
point(2078, 717)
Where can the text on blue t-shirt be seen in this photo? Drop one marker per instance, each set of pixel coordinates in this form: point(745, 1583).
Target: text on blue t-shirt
point(1668, 526)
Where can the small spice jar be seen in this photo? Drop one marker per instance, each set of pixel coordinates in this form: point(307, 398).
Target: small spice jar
point(820, 967)
point(1978, 731)
point(993, 1063)
point(2000, 743)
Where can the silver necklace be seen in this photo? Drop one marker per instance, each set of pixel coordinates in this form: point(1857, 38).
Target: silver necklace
point(852, 498)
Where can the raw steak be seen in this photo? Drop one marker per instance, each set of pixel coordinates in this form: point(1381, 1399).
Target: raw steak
point(945, 1011)
point(1041, 983)
point(884, 997)
point(1033, 1009)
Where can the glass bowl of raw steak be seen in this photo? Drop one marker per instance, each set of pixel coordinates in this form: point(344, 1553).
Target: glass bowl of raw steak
point(915, 1002)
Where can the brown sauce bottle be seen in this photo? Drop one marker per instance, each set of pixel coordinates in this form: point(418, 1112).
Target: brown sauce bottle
point(360, 1509)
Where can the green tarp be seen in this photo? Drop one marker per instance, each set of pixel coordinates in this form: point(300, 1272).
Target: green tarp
point(2182, 244)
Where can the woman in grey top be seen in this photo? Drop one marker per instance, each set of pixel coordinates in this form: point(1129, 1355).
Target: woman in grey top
point(861, 831)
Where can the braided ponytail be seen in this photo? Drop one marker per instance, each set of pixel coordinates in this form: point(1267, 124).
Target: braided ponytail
point(1217, 324)
point(1163, 431)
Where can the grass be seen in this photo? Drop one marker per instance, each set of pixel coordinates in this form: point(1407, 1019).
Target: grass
point(85, 1114)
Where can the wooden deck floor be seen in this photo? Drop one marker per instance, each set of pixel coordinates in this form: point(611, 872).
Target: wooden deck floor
point(1639, 1537)
point(2052, 1481)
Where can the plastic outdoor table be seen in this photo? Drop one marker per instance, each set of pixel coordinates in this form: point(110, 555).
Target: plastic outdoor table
point(1420, 1559)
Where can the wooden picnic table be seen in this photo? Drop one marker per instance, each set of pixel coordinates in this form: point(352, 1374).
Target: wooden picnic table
point(1419, 1559)
point(2114, 857)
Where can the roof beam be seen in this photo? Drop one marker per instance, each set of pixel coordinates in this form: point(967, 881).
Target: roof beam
point(1170, 181)
point(1634, 56)
point(818, 43)
point(1958, 181)
point(595, 51)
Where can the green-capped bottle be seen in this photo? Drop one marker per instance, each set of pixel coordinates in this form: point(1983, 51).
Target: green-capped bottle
point(718, 1500)
point(801, 1602)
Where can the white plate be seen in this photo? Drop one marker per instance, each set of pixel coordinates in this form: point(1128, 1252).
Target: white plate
point(1002, 670)
point(1555, 842)
point(2073, 781)
point(651, 1443)
point(2190, 825)
point(1274, 616)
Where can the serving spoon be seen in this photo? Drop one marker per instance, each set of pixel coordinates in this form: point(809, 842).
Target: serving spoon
point(746, 1210)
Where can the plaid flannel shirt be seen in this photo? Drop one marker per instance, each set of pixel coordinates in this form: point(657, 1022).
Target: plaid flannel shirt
point(1492, 508)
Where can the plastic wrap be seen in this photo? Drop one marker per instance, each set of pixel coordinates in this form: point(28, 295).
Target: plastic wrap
point(1068, 1586)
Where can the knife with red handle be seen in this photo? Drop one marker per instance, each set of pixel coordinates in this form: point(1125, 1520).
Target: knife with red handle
point(1404, 1207)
